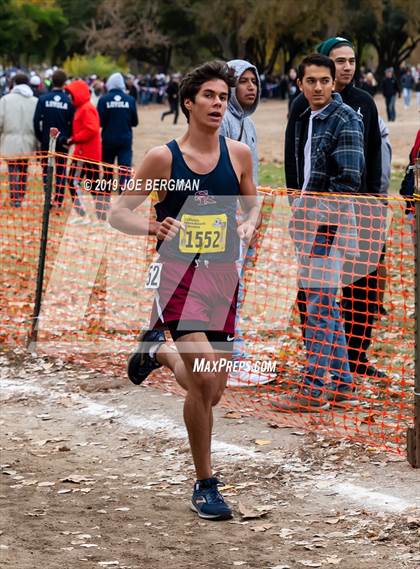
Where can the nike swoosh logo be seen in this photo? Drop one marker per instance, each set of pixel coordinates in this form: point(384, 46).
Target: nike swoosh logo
point(230, 338)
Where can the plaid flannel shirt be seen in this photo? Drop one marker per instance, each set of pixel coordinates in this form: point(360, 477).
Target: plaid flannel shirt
point(337, 162)
point(337, 152)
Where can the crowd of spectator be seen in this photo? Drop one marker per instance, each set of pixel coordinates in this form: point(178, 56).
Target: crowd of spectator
point(151, 88)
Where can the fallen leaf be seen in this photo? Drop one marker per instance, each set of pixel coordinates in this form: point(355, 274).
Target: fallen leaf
point(332, 521)
point(249, 513)
point(333, 560)
point(413, 522)
point(77, 478)
point(262, 442)
point(285, 532)
point(36, 513)
point(262, 528)
point(232, 415)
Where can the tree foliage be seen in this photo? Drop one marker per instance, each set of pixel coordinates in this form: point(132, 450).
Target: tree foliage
point(390, 26)
point(30, 30)
point(168, 33)
point(100, 65)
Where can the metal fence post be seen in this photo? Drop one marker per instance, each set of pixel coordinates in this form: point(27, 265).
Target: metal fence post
point(413, 433)
point(33, 335)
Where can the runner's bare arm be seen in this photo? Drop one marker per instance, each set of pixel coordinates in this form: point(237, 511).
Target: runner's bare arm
point(156, 165)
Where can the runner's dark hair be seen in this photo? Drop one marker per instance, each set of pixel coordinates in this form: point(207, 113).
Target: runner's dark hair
point(191, 83)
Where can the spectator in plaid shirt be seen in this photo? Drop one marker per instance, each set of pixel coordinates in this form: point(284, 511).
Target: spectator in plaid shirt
point(330, 160)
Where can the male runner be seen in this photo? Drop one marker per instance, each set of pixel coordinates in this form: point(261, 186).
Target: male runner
point(196, 278)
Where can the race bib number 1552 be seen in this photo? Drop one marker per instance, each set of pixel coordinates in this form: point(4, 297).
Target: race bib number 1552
point(203, 233)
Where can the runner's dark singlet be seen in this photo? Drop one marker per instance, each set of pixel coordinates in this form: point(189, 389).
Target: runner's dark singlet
point(207, 205)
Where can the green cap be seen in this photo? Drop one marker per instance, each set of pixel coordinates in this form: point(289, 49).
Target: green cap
point(328, 45)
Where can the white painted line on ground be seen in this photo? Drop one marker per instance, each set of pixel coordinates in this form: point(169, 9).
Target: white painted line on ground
point(159, 424)
point(371, 499)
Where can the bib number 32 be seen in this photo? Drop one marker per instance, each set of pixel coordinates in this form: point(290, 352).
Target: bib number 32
point(153, 276)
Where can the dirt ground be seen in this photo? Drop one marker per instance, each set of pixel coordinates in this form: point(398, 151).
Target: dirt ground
point(271, 119)
point(103, 479)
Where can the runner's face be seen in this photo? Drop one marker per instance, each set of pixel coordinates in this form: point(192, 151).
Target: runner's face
point(317, 86)
point(247, 89)
point(210, 103)
point(345, 66)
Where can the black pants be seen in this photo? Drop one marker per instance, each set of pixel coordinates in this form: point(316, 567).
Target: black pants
point(124, 156)
point(60, 176)
point(79, 172)
point(174, 109)
point(18, 177)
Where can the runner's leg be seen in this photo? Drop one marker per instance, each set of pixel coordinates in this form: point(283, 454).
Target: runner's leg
point(204, 390)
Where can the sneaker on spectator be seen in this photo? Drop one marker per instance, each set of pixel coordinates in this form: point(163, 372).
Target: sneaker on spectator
point(245, 378)
point(79, 220)
point(57, 209)
point(99, 223)
point(208, 502)
point(365, 368)
point(343, 397)
point(304, 401)
point(143, 361)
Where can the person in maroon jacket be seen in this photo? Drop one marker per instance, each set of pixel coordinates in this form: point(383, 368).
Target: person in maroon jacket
point(86, 139)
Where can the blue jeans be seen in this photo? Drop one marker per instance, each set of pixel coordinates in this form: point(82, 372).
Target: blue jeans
point(390, 107)
point(325, 342)
point(406, 96)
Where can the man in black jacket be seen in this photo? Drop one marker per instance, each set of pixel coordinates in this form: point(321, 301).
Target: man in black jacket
point(55, 110)
point(360, 299)
point(390, 90)
point(172, 92)
point(118, 115)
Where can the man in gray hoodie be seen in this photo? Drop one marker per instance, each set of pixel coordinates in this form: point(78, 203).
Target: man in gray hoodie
point(238, 125)
point(237, 122)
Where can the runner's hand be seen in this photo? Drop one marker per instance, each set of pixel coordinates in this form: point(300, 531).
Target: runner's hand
point(169, 228)
point(247, 232)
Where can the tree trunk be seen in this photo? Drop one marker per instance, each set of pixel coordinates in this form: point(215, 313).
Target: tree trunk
point(273, 58)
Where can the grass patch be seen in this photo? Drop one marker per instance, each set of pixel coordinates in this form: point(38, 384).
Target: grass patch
point(271, 174)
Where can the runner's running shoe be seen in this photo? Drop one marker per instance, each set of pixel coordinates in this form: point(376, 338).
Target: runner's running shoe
point(143, 361)
point(208, 502)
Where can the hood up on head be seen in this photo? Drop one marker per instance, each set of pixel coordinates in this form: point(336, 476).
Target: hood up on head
point(115, 81)
point(23, 90)
point(79, 91)
point(240, 66)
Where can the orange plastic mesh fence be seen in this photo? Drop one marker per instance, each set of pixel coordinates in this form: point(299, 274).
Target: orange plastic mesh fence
point(331, 280)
